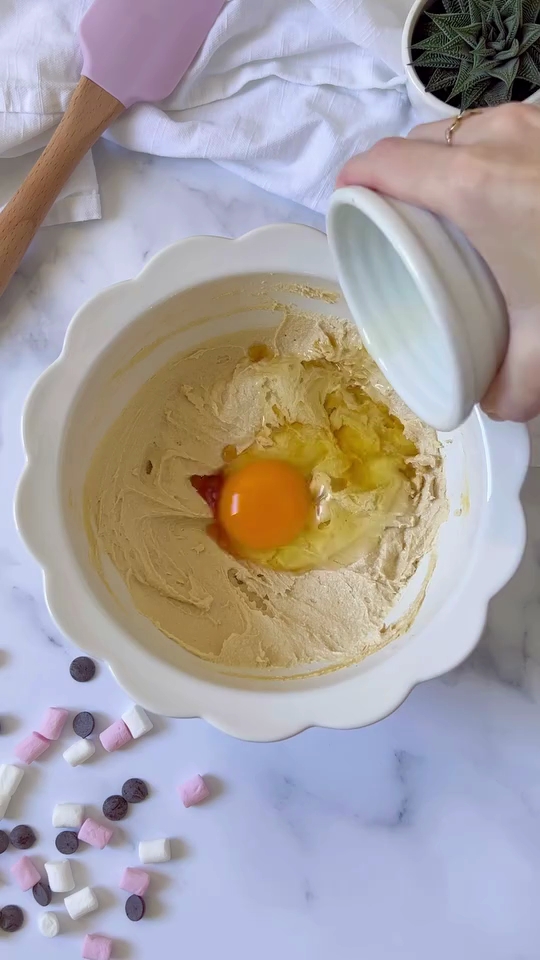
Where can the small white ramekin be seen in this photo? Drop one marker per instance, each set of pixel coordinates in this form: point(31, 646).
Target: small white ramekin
point(428, 308)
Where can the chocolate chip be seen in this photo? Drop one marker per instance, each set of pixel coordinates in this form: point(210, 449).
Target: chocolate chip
point(83, 724)
point(22, 837)
point(42, 893)
point(115, 807)
point(67, 842)
point(82, 669)
point(134, 790)
point(4, 841)
point(11, 918)
point(135, 907)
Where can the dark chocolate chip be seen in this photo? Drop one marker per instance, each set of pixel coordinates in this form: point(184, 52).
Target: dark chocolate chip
point(42, 893)
point(11, 918)
point(82, 669)
point(83, 724)
point(4, 841)
point(115, 808)
point(22, 837)
point(135, 907)
point(67, 842)
point(134, 790)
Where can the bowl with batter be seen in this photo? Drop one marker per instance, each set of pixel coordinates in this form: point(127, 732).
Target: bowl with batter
point(366, 548)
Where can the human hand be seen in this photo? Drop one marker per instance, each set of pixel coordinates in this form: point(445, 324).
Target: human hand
point(488, 184)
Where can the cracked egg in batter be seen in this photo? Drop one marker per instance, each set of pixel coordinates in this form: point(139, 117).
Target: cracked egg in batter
point(353, 499)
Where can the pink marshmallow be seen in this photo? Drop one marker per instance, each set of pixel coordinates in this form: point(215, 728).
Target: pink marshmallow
point(53, 723)
point(96, 947)
point(115, 736)
point(135, 881)
point(31, 747)
point(193, 791)
point(25, 873)
point(95, 834)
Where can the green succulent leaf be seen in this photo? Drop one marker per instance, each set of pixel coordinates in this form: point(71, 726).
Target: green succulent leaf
point(506, 72)
point(473, 96)
point(530, 36)
point(531, 9)
point(440, 42)
point(476, 50)
point(440, 80)
point(495, 95)
point(456, 6)
point(529, 70)
point(469, 34)
point(446, 23)
point(436, 60)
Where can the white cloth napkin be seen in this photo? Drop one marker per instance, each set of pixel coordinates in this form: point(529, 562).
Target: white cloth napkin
point(282, 93)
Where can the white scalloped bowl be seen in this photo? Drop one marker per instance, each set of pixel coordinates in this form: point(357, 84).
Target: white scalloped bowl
point(119, 339)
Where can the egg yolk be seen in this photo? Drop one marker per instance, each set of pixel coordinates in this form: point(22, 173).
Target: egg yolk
point(264, 505)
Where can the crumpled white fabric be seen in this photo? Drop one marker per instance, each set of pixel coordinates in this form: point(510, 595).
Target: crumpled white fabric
point(282, 93)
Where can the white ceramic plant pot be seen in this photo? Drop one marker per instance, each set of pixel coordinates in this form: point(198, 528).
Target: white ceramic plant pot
point(428, 107)
point(114, 344)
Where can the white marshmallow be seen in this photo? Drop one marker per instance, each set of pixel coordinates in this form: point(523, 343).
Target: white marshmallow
point(137, 721)
point(79, 751)
point(60, 876)
point(4, 804)
point(80, 903)
point(48, 924)
point(10, 778)
point(154, 851)
point(68, 815)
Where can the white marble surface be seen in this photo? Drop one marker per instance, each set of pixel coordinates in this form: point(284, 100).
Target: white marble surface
point(416, 838)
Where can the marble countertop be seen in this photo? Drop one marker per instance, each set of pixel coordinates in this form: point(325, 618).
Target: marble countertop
point(416, 838)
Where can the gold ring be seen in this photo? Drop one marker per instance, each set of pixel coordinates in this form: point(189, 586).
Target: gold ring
point(456, 122)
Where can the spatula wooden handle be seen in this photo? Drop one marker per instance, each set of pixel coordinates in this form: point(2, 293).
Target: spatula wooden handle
point(90, 111)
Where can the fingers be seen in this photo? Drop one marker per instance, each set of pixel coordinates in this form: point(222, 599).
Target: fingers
point(409, 169)
point(515, 392)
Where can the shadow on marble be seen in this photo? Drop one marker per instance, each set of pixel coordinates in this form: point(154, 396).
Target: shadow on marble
point(180, 849)
point(9, 723)
point(154, 903)
point(216, 786)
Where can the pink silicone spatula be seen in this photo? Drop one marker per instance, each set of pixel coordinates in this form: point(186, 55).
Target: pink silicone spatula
point(133, 50)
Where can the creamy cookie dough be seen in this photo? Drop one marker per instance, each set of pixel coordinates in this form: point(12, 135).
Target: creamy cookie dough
point(143, 514)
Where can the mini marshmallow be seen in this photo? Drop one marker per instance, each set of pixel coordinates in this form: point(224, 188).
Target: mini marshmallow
point(60, 876)
point(193, 791)
point(31, 747)
point(53, 722)
point(25, 873)
point(48, 924)
point(96, 947)
point(4, 804)
point(78, 752)
point(80, 903)
point(135, 880)
point(115, 736)
point(137, 721)
point(96, 834)
point(10, 778)
point(68, 815)
point(154, 851)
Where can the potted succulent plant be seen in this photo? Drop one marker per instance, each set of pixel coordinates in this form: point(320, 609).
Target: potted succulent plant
point(461, 54)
